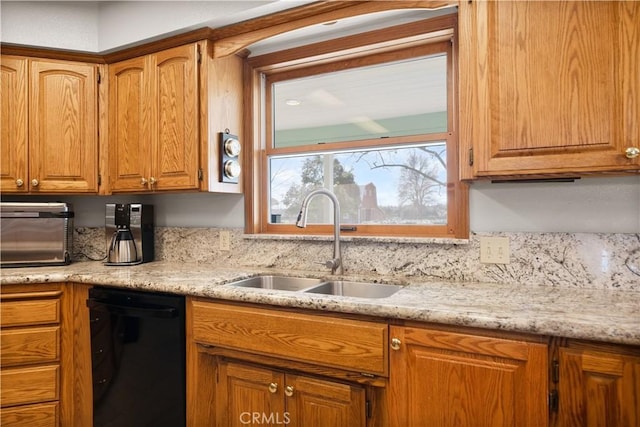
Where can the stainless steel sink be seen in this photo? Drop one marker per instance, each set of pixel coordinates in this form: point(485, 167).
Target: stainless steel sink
point(317, 286)
point(355, 289)
point(281, 283)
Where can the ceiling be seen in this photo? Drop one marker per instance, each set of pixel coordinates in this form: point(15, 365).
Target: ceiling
point(364, 97)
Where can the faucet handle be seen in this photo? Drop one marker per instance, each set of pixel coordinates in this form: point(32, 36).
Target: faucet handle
point(332, 263)
point(328, 264)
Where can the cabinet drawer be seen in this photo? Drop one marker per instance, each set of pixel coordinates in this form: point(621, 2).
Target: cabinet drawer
point(30, 312)
point(328, 341)
point(29, 385)
point(41, 415)
point(29, 345)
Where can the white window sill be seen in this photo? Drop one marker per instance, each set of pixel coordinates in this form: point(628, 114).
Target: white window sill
point(360, 239)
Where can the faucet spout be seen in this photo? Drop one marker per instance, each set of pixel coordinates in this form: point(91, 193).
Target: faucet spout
point(301, 222)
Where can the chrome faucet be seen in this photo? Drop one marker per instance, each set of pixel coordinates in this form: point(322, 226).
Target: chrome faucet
point(336, 262)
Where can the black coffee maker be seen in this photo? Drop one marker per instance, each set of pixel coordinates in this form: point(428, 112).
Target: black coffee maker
point(129, 233)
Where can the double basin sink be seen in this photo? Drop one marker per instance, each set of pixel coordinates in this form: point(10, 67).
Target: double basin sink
point(317, 286)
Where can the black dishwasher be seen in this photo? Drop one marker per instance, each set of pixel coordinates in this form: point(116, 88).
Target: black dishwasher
point(138, 358)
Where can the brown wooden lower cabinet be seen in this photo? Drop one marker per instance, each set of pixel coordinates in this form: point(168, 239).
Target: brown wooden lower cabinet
point(40, 415)
point(597, 386)
point(31, 348)
point(437, 375)
point(441, 378)
point(45, 360)
point(407, 374)
point(261, 396)
point(252, 365)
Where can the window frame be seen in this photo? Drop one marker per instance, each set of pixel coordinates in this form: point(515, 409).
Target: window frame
point(422, 38)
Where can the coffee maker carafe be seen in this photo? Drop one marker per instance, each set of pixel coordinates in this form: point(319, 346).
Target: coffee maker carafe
point(129, 233)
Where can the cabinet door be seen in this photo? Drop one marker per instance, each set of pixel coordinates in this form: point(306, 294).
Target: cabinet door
point(13, 125)
point(248, 395)
point(129, 125)
point(63, 136)
point(598, 389)
point(549, 87)
point(175, 119)
point(313, 402)
point(440, 378)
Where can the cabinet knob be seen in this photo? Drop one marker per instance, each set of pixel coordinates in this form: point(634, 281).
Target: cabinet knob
point(273, 387)
point(152, 181)
point(19, 182)
point(632, 152)
point(143, 181)
point(35, 182)
point(288, 390)
point(395, 343)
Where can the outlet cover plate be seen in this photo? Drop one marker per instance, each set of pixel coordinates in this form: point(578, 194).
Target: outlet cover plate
point(225, 240)
point(494, 250)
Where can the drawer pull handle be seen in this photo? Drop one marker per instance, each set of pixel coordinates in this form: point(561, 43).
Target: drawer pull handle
point(395, 343)
point(632, 152)
point(288, 390)
point(273, 387)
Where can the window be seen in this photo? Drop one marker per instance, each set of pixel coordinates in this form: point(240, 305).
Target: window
point(377, 128)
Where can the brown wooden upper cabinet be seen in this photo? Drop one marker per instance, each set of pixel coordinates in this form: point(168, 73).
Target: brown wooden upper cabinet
point(549, 87)
point(165, 118)
point(49, 126)
point(153, 128)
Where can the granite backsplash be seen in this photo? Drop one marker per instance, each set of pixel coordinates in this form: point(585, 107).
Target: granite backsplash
point(582, 260)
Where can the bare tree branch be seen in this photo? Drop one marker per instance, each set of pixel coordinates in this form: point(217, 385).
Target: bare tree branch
point(437, 155)
point(412, 169)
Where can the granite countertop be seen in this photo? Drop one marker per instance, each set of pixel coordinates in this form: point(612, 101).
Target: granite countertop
point(593, 314)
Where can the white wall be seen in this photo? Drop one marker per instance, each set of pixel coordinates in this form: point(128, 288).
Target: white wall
point(123, 23)
point(606, 205)
point(175, 210)
point(171, 210)
point(603, 204)
point(101, 26)
point(599, 205)
point(66, 25)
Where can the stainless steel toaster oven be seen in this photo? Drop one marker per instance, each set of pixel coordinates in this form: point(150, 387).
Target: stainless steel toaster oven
point(34, 234)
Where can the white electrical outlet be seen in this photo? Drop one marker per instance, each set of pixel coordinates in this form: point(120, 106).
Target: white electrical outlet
point(225, 241)
point(494, 250)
